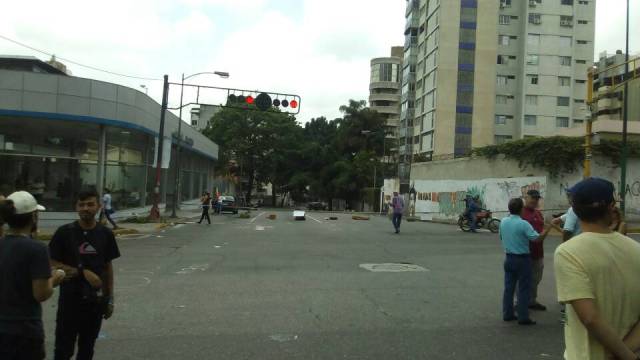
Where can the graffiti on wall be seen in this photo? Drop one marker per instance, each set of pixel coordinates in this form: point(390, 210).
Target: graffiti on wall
point(446, 197)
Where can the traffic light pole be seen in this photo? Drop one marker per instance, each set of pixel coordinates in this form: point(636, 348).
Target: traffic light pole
point(155, 209)
point(625, 121)
point(176, 189)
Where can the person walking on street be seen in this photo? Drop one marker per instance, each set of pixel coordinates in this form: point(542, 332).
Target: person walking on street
point(597, 278)
point(397, 203)
point(516, 234)
point(85, 250)
point(533, 216)
point(25, 280)
point(205, 201)
point(107, 207)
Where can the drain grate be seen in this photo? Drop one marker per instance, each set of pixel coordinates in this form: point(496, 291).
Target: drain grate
point(393, 267)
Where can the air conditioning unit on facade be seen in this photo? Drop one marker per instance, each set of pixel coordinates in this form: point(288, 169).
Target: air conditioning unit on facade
point(566, 23)
point(532, 3)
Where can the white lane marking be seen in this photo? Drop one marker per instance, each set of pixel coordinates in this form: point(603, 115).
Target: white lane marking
point(259, 228)
point(193, 268)
point(256, 218)
point(314, 219)
point(391, 267)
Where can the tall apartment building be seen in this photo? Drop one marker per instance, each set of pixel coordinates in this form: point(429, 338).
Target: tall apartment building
point(384, 94)
point(607, 110)
point(408, 93)
point(611, 95)
point(492, 71)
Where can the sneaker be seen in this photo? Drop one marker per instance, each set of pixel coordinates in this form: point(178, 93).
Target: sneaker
point(538, 306)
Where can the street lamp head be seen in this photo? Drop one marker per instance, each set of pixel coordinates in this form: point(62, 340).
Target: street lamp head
point(222, 74)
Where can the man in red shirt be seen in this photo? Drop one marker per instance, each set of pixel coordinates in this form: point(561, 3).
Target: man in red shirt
point(531, 214)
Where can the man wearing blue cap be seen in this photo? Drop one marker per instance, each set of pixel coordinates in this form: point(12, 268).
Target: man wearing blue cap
point(597, 277)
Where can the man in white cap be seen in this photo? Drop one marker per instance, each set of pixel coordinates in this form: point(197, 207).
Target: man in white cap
point(25, 280)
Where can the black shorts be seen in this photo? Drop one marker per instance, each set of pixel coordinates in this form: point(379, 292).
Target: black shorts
point(15, 347)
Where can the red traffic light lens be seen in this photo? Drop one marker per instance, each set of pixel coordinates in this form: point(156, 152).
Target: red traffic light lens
point(249, 99)
point(293, 104)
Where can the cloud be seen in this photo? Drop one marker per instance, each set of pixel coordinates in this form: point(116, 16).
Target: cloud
point(319, 49)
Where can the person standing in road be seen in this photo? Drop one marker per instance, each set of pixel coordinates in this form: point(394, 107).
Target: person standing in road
point(25, 280)
point(205, 201)
point(85, 250)
point(597, 278)
point(397, 203)
point(533, 216)
point(107, 207)
point(516, 234)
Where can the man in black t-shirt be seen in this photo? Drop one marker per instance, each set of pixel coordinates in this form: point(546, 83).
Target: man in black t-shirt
point(84, 250)
point(25, 280)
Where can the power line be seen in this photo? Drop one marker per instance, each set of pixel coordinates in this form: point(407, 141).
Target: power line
point(77, 63)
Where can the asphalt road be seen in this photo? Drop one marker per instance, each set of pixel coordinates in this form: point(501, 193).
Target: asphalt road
point(284, 289)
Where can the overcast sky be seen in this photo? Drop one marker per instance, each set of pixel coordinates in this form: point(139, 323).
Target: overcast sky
point(319, 49)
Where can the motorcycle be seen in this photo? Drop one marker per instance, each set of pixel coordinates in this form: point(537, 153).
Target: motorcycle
point(484, 220)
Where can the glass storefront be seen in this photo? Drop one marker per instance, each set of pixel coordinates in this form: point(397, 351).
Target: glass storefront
point(50, 159)
point(54, 159)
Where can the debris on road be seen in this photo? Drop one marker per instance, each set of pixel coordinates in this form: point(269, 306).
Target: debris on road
point(245, 215)
point(360, 217)
point(272, 217)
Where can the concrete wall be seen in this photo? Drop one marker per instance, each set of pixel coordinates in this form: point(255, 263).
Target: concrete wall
point(72, 98)
point(440, 185)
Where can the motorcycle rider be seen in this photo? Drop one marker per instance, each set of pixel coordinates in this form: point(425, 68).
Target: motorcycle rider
point(474, 208)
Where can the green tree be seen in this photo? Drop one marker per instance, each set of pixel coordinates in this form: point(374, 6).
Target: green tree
point(259, 142)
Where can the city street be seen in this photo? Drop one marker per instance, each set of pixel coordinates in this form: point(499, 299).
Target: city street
point(284, 289)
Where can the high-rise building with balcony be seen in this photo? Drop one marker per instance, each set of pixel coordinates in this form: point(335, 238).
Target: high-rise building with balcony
point(384, 95)
point(407, 100)
point(487, 72)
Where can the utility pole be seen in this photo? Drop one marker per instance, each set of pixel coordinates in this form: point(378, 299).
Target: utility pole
point(625, 121)
point(155, 210)
point(176, 189)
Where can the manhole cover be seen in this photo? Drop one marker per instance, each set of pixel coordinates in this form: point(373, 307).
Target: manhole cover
point(393, 267)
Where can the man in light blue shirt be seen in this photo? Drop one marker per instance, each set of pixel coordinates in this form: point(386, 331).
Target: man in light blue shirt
point(571, 226)
point(515, 234)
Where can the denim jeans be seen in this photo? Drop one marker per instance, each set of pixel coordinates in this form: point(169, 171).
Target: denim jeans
point(517, 270)
point(397, 219)
point(473, 219)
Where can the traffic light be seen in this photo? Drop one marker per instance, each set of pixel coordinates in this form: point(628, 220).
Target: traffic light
point(264, 101)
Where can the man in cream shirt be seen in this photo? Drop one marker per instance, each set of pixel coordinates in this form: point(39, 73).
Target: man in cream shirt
point(597, 277)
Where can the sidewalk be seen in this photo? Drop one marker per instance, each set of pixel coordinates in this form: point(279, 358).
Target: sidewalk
point(49, 222)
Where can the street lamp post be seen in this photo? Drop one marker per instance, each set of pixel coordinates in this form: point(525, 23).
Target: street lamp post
point(176, 190)
point(155, 209)
point(625, 120)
